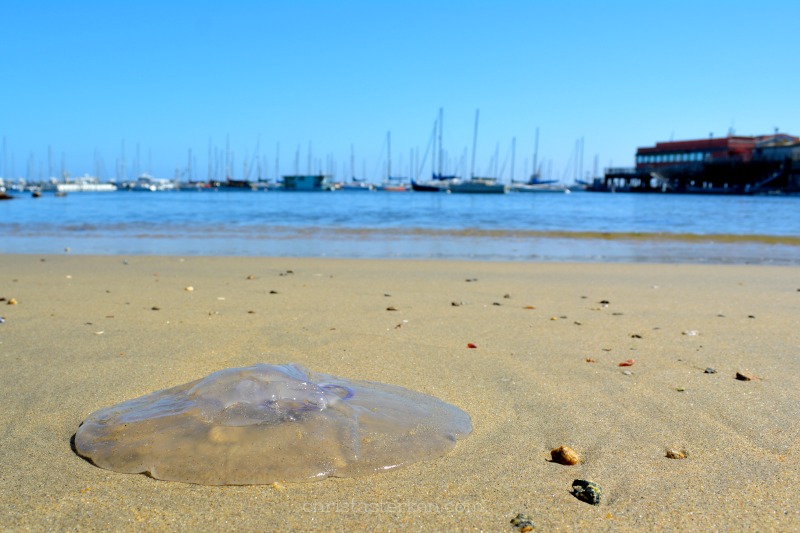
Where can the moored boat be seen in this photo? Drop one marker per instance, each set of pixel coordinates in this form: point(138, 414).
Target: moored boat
point(478, 185)
point(85, 183)
point(312, 182)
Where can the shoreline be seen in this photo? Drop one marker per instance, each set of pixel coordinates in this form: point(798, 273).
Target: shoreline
point(88, 331)
point(420, 244)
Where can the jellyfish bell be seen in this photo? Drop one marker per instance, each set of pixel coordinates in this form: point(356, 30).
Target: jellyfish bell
point(267, 423)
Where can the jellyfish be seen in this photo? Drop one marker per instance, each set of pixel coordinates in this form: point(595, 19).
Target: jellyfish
point(269, 423)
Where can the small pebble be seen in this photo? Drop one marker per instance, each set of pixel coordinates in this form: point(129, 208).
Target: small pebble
point(470, 345)
point(627, 372)
point(745, 376)
point(627, 362)
point(11, 301)
point(391, 308)
point(456, 304)
point(2, 320)
point(676, 454)
point(680, 389)
point(710, 370)
point(523, 522)
point(189, 288)
point(689, 333)
point(587, 491)
point(564, 455)
point(273, 292)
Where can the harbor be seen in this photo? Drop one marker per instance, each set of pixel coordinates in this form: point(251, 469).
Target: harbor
point(737, 165)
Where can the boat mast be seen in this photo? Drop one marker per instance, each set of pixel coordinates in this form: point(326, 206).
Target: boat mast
point(496, 173)
point(137, 163)
point(389, 155)
point(209, 160)
point(227, 156)
point(5, 158)
point(352, 162)
point(277, 160)
point(513, 156)
point(536, 155)
point(123, 165)
point(474, 144)
point(441, 154)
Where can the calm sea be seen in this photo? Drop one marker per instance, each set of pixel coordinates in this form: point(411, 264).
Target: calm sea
point(513, 227)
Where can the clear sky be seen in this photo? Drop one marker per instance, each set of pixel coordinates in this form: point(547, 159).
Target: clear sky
point(80, 79)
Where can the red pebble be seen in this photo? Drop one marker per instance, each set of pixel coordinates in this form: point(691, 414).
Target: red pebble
point(629, 362)
point(470, 345)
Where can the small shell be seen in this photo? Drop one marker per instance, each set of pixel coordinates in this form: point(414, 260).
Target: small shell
point(676, 454)
point(587, 491)
point(523, 522)
point(565, 455)
point(627, 362)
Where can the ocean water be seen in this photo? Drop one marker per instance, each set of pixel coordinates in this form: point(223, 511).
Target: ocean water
point(580, 226)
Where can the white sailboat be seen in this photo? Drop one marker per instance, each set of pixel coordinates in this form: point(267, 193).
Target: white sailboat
point(476, 184)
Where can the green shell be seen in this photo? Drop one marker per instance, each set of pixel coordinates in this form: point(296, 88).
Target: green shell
point(587, 491)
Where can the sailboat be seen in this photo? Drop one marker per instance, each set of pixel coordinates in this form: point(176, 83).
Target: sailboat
point(391, 183)
point(535, 183)
point(476, 184)
point(439, 182)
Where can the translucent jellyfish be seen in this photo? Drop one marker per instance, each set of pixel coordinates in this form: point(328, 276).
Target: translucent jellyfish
point(267, 423)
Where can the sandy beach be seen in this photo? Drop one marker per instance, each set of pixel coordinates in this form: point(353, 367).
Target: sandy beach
point(85, 332)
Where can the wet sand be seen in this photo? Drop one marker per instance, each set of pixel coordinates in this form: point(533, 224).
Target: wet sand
point(87, 332)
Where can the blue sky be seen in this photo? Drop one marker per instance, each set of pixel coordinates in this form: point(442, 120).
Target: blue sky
point(81, 78)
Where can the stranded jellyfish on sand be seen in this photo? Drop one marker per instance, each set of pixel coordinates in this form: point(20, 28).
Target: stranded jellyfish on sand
point(266, 423)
